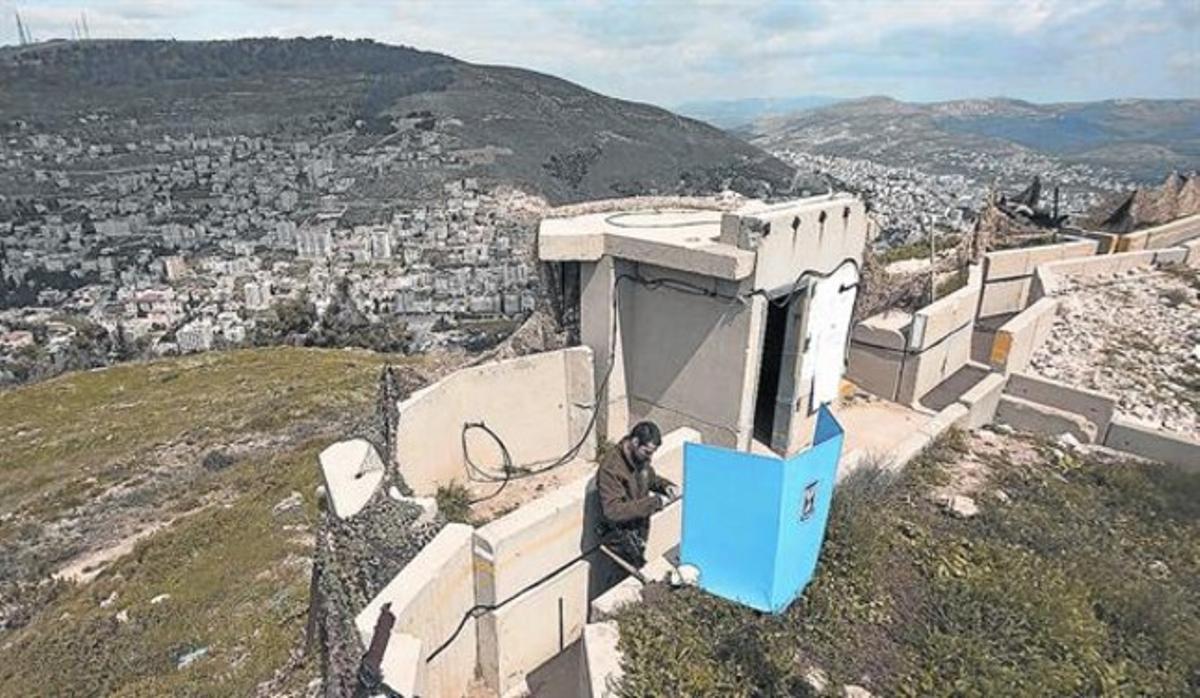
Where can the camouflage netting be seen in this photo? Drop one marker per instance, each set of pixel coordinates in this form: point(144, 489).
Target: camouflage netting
point(880, 290)
point(540, 332)
point(355, 559)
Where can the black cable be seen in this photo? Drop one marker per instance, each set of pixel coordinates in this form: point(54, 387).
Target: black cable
point(510, 472)
point(508, 466)
point(913, 352)
point(478, 609)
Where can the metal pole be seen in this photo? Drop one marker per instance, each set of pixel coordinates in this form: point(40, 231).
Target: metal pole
point(932, 264)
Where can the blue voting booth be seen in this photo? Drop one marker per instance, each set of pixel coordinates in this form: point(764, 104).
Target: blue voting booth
point(753, 525)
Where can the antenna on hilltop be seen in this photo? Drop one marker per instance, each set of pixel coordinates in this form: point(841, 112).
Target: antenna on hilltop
point(22, 33)
point(87, 33)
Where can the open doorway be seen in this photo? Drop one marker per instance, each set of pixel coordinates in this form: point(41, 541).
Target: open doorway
point(765, 401)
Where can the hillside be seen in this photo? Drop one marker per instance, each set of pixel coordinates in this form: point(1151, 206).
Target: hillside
point(736, 113)
point(176, 502)
point(514, 126)
point(1078, 576)
point(1144, 138)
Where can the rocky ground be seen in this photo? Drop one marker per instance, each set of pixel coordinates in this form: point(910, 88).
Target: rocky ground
point(1136, 337)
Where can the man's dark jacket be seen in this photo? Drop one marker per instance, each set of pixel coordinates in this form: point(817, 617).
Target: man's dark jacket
point(625, 491)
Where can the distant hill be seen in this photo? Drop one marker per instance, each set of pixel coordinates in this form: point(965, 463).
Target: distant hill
point(1144, 138)
point(735, 113)
point(538, 132)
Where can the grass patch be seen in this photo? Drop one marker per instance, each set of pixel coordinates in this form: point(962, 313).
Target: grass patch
point(76, 425)
point(918, 249)
point(1084, 584)
point(454, 502)
point(237, 576)
point(237, 571)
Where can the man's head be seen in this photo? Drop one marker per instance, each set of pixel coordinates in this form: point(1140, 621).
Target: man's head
point(643, 441)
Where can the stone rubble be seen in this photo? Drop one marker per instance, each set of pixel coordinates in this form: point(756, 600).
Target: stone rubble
point(1135, 337)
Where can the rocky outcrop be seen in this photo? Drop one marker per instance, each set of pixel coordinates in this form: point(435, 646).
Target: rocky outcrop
point(1178, 197)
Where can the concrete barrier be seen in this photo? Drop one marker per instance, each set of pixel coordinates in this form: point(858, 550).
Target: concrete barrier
point(533, 628)
point(1008, 275)
point(539, 404)
point(1193, 253)
point(1160, 236)
point(877, 345)
point(901, 357)
point(602, 659)
point(982, 399)
point(1016, 340)
point(1043, 419)
point(1092, 405)
point(429, 598)
point(522, 546)
point(518, 549)
point(1155, 444)
point(351, 471)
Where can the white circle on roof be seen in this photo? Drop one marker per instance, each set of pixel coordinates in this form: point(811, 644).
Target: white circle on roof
point(667, 218)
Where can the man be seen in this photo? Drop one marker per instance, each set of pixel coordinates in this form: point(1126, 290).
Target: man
point(630, 491)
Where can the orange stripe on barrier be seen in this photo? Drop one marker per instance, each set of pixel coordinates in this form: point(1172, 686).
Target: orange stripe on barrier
point(1001, 345)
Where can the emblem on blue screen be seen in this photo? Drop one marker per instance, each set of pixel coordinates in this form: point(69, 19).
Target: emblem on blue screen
point(761, 547)
point(810, 501)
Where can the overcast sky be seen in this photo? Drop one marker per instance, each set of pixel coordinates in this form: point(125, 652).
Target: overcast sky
point(670, 52)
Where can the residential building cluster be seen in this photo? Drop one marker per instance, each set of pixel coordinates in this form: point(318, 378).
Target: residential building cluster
point(183, 243)
point(943, 192)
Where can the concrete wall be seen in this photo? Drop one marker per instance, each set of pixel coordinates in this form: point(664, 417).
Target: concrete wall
point(1166, 235)
point(1017, 339)
point(429, 597)
point(1008, 274)
point(691, 361)
point(1094, 406)
point(814, 234)
point(533, 628)
point(539, 404)
point(549, 533)
point(902, 357)
point(596, 309)
point(1155, 444)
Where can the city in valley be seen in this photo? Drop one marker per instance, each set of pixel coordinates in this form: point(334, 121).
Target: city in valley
point(115, 246)
point(498, 348)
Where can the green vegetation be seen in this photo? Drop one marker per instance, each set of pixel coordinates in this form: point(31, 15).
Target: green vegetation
point(1084, 583)
point(294, 321)
point(454, 502)
point(952, 283)
point(224, 443)
point(238, 585)
point(98, 423)
point(918, 249)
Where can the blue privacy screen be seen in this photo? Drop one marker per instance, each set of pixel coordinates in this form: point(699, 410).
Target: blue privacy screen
point(753, 525)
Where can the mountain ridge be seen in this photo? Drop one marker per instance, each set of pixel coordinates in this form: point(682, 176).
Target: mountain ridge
point(546, 134)
point(1145, 137)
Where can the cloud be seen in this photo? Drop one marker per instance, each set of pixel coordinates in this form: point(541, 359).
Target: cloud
point(669, 51)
